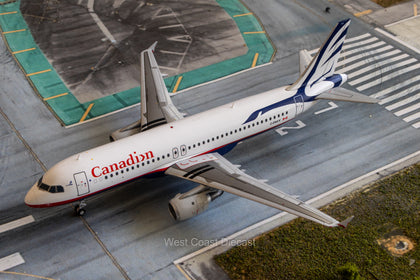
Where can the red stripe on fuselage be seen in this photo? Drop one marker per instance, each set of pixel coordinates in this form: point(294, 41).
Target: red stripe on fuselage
point(135, 178)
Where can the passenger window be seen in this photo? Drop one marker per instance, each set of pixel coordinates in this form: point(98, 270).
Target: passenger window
point(175, 152)
point(183, 150)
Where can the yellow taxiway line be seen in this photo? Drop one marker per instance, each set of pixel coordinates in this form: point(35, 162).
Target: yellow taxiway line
point(241, 15)
point(254, 62)
point(31, 49)
point(86, 112)
point(177, 84)
point(14, 31)
point(254, 32)
point(365, 12)
point(26, 275)
point(8, 13)
point(55, 96)
point(39, 72)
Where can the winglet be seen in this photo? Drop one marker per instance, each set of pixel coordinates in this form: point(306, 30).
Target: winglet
point(344, 223)
point(153, 46)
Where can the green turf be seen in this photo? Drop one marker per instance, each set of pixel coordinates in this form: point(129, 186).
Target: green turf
point(305, 250)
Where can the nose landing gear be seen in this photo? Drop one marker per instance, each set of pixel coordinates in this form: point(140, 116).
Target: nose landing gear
point(79, 209)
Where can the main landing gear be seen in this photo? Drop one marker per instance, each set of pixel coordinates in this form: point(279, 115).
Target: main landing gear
point(79, 209)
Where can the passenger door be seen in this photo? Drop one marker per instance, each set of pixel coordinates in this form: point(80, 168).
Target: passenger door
point(82, 183)
point(299, 104)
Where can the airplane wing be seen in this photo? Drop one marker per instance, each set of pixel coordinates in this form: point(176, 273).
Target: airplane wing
point(156, 105)
point(214, 171)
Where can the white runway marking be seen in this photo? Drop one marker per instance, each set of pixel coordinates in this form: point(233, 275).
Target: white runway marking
point(352, 39)
point(400, 94)
point(17, 223)
point(403, 102)
point(282, 131)
point(412, 117)
point(388, 77)
point(362, 55)
point(389, 63)
point(364, 48)
point(372, 58)
point(374, 62)
point(332, 106)
point(396, 87)
point(11, 261)
point(416, 125)
point(408, 110)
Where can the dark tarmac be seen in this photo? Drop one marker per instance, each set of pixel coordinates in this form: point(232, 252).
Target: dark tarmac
point(96, 58)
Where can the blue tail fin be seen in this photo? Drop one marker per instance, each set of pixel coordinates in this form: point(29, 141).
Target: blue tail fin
point(323, 64)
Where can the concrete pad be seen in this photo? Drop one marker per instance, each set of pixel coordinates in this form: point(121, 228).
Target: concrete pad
point(407, 30)
point(392, 14)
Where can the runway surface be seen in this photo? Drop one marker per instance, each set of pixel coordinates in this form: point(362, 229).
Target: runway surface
point(125, 232)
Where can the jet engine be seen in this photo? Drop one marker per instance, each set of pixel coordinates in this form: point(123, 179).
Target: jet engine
point(190, 204)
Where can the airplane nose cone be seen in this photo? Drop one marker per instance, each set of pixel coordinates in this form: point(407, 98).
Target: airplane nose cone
point(31, 198)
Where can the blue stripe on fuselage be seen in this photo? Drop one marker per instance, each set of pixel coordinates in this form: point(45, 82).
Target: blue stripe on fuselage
point(276, 105)
point(264, 110)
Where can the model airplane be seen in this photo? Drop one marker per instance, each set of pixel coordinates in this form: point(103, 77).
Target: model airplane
point(191, 147)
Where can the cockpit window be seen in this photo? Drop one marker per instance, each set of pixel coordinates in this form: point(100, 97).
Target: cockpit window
point(51, 189)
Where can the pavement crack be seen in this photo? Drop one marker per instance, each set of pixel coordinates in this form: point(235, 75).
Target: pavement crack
point(12, 126)
point(107, 252)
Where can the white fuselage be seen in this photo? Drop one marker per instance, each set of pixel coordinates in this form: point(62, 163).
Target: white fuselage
point(155, 150)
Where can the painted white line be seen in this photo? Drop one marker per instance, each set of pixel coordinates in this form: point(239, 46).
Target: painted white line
point(367, 61)
point(364, 42)
point(407, 110)
point(358, 37)
point(16, 223)
point(282, 131)
point(364, 48)
point(349, 40)
point(171, 52)
point(403, 102)
point(397, 40)
point(168, 68)
point(11, 261)
point(401, 94)
point(172, 26)
point(327, 198)
point(332, 106)
point(412, 117)
point(388, 77)
point(99, 22)
point(362, 55)
point(379, 71)
point(401, 21)
point(416, 125)
point(396, 87)
point(372, 65)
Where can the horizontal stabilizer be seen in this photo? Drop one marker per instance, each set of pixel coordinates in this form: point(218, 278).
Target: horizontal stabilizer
point(345, 223)
point(304, 60)
point(342, 94)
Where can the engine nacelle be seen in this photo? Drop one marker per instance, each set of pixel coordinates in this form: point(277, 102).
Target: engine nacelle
point(187, 205)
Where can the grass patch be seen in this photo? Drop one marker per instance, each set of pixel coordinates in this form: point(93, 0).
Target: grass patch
point(388, 3)
point(305, 250)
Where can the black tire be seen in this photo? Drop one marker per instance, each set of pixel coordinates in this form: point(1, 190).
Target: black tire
point(81, 212)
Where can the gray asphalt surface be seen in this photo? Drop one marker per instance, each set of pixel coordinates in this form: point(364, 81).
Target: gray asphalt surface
point(132, 222)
